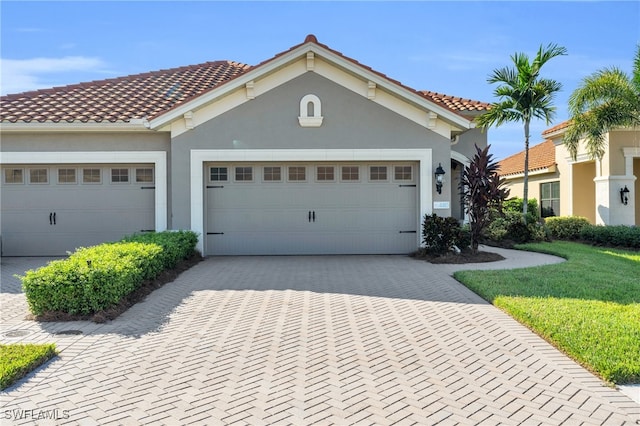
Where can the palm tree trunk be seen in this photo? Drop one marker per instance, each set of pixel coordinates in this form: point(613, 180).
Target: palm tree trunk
point(525, 182)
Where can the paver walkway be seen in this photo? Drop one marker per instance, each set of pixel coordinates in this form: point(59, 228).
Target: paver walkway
point(305, 340)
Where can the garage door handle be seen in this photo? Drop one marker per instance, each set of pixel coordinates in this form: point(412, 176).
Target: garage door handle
point(314, 216)
point(54, 218)
point(50, 218)
point(309, 216)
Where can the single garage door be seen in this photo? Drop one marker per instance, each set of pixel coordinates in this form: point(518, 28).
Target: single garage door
point(320, 208)
point(49, 210)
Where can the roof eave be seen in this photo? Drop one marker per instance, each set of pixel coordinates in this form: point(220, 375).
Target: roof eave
point(539, 171)
point(134, 125)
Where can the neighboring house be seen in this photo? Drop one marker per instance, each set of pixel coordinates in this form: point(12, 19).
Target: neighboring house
point(309, 152)
point(596, 190)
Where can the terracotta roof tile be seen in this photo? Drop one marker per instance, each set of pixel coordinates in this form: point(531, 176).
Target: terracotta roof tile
point(118, 99)
point(151, 94)
point(541, 156)
point(456, 103)
point(557, 127)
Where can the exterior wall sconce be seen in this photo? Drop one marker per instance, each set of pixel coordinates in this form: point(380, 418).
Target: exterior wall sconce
point(624, 195)
point(439, 178)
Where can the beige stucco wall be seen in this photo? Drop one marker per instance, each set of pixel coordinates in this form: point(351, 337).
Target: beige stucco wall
point(516, 186)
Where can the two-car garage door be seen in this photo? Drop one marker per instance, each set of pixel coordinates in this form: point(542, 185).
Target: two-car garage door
point(50, 209)
point(310, 208)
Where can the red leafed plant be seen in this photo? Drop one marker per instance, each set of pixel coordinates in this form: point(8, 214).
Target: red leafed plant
point(481, 189)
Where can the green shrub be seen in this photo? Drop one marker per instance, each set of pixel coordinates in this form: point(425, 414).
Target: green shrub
point(511, 227)
point(440, 234)
point(19, 359)
point(91, 279)
point(565, 227)
point(176, 245)
point(96, 278)
point(515, 205)
point(619, 235)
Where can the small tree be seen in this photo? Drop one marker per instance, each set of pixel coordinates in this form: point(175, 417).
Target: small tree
point(481, 189)
point(523, 96)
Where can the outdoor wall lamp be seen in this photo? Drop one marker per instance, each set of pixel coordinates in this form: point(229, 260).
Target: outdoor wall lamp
point(439, 178)
point(624, 195)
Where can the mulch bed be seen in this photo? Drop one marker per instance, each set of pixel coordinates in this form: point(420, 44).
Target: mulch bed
point(464, 257)
point(136, 296)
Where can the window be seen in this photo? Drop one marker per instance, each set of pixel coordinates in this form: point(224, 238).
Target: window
point(66, 175)
point(38, 176)
point(325, 173)
point(272, 174)
point(378, 172)
point(550, 199)
point(403, 173)
point(144, 175)
point(119, 175)
point(218, 174)
point(91, 176)
point(350, 173)
point(13, 176)
point(244, 174)
point(297, 173)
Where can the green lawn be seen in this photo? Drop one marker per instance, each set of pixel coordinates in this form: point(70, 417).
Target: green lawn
point(17, 360)
point(588, 306)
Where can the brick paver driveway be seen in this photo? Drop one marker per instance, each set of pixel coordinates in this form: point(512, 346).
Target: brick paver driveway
point(306, 340)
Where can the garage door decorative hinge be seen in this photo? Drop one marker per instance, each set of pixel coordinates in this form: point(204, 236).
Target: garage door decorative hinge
point(215, 233)
point(215, 186)
point(147, 187)
point(407, 232)
point(407, 186)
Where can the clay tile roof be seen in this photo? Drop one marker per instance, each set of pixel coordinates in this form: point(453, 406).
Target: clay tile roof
point(152, 94)
point(118, 99)
point(541, 156)
point(455, 103)
point(557, 127)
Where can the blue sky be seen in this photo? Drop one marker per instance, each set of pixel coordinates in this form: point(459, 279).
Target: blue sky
point(449, 47)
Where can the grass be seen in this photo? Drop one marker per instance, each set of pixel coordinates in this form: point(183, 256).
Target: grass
point(588, 306)
point(18, 360)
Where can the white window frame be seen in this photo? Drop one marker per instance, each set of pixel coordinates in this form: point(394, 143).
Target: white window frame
point(370, 178)
point(59, 169)
point(306, 174)
point(264, 176)
point(403, 180)
point(342, 179)
point(317, 171)
point(4, 176)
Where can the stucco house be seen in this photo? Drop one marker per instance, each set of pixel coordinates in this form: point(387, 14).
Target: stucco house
point(309, 152)
point(603, 191)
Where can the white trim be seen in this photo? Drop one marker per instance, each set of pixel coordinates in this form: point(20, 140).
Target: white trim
point(460, 158)
point(158, 158)
point(135, 125)
point(200, 156)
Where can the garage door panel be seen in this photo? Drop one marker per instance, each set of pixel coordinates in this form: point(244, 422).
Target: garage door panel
point(311, 217)
point(84, 214)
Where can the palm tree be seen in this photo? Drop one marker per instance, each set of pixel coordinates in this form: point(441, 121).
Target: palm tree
point(523, 96)
point(605, 100)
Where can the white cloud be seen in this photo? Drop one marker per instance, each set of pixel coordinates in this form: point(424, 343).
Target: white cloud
point(20, 75)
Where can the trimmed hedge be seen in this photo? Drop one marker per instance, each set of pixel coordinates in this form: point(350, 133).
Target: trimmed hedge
point(618, 235)
point(565, 227)
point(96, 278)
point(20, 359)
point(176, 245)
